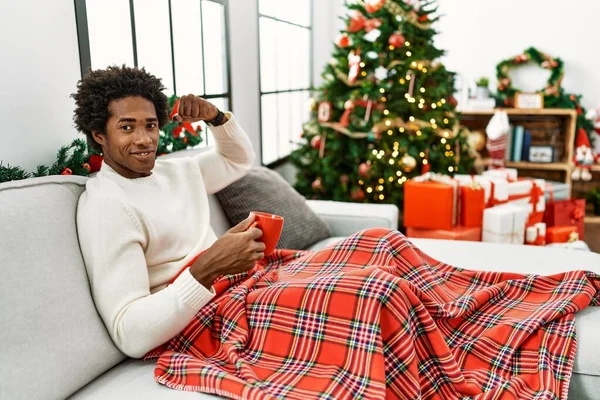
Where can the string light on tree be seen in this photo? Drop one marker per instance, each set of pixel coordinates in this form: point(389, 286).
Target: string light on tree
point(359, 153)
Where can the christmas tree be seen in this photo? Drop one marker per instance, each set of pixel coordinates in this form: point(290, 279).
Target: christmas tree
point(385, 112)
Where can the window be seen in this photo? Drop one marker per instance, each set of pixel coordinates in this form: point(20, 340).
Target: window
point(285, 42)
point(184, 42)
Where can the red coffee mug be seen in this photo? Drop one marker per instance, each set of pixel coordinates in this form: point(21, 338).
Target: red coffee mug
point(271, 225)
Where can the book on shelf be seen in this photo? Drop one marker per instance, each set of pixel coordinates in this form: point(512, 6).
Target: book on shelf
point(526, 146)
point(517, 143)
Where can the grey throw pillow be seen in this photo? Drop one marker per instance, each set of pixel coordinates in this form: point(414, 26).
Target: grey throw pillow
point(265, 190)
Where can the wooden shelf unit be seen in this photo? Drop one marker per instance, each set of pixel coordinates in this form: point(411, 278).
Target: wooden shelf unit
point(562, 168)
point(592, 219)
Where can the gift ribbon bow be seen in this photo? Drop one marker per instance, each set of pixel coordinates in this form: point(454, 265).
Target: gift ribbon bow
point(186, 125)
point(573, 237)
point(576, 216)
point(534, 195)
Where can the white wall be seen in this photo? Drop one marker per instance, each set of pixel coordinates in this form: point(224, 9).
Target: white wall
point(38, 72)
point(43, 70)
point(479, 34)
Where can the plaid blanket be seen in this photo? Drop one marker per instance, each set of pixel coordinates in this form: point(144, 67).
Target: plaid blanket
point(373, 317)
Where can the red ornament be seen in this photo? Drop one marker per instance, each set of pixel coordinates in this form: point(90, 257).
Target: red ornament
point(344, 179)
point(372, 23)
point(66, 171)
point(357, 21)
point(86, 166)
point(95, 163)
point(363, 170)
point(396, 40)
point(343, 41)
point(315, 142)
point(374, 5)
point(424, 18)
point(185, 140)
point(573, 98)
point(317, 185)
point(452, 101)
point(357, 195)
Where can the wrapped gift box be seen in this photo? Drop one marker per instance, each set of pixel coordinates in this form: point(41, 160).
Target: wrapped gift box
point(505, 224)
point(561, 234)
point(496, 190)
point(430, 205)
point(566, 212)
point(472, 204)
point(535, 235)
point(508, 174)
point(471, 234)
point(557, 191)
point(529, 193)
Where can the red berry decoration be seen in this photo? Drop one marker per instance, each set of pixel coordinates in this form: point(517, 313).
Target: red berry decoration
point(86, 166)
point(66, 171)
point(396, 40)
point(344, 179)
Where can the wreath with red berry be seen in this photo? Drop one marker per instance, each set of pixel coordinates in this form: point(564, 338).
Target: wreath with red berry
point(554, 94)
point(506, 91)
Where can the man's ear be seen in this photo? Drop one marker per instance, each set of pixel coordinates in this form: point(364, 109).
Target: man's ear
point(99, 138)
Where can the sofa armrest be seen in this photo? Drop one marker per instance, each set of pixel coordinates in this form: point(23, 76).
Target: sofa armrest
point(345, 219)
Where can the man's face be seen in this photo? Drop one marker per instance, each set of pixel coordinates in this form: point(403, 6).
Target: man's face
point(131, 138)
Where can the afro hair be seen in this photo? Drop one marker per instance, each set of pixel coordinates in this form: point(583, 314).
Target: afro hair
point(98, 88)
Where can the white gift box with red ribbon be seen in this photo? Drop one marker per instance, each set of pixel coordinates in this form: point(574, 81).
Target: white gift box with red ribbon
point(507, 174)
point(496, 190)
point(529, 193)
point(505, 224)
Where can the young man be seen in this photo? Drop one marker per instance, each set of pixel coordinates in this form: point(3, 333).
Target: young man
point(141, 220)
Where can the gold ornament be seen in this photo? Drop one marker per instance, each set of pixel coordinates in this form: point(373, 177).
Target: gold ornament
point(408, 163)
point(312, 104)
point(476, 141)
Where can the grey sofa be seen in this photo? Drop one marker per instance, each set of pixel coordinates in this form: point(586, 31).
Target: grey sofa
point(54, 344)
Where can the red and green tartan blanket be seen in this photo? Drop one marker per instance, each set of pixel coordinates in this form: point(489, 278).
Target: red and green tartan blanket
point(373, 317)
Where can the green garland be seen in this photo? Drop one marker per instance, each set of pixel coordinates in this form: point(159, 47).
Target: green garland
point(554, 94)
point(78, 159)
point(506, 91)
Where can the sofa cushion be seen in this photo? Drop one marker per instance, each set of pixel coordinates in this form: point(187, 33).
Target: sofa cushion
point(265, 190)
point(134, 379)
point(53, 341)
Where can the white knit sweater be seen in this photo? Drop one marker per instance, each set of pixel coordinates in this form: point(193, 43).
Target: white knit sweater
point(137, 234)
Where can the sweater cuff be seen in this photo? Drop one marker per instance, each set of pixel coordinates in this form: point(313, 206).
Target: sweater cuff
point(229, 128)
point(191, 292)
